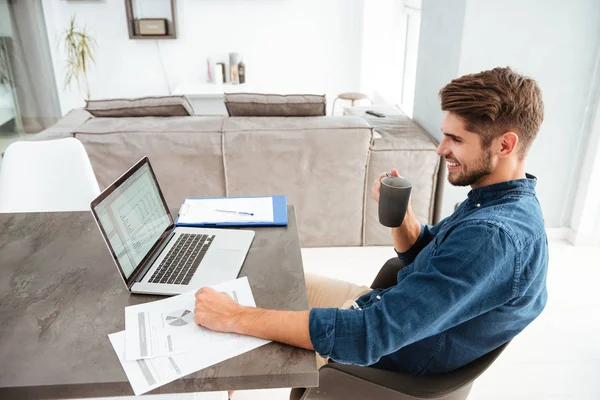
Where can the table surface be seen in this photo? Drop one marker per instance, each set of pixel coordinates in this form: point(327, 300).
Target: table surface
point(61, 295)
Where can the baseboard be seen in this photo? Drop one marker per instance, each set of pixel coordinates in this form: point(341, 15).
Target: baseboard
point(560, 233)
point(581, 240)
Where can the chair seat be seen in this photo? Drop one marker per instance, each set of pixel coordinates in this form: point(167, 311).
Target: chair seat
point(352, 96)
point(340, 381)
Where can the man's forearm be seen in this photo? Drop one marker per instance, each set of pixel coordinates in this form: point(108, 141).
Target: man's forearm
point(290, 327)
point(406, 235)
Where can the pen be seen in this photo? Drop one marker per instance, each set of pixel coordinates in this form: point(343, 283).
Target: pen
point(235, 212)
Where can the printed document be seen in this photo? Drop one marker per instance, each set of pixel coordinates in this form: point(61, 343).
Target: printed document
point(252, 209)
point(145, 375)
point(167, 327)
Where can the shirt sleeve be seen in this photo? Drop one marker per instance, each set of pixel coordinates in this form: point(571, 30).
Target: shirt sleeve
point(472, 272)
point(426, 235)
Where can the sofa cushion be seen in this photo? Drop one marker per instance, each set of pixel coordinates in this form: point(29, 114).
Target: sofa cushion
point(151, 124)
point(164, 106)
point(274, 105)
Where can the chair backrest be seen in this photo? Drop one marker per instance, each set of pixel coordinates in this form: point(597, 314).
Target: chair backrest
point(50, 175)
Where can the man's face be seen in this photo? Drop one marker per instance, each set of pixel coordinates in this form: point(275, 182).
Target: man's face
point(467, 161)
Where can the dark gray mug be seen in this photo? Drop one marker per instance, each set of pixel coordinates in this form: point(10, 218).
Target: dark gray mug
point(393, 200)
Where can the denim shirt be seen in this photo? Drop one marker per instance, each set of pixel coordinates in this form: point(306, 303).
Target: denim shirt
point(473, 282)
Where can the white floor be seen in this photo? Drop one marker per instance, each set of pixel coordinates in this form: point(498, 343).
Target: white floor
point(556, 357)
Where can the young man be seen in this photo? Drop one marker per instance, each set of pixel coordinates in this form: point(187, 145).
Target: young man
point(473, 281)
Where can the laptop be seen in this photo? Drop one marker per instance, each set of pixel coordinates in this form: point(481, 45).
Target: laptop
point(152, 255)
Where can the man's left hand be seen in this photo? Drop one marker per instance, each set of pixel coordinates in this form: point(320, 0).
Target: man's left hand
point(215, 310)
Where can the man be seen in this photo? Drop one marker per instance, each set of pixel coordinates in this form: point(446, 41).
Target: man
point(473, 281)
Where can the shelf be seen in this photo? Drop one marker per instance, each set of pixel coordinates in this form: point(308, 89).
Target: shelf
point(171, 23)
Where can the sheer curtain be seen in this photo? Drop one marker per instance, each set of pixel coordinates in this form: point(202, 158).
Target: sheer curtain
point(27, 64)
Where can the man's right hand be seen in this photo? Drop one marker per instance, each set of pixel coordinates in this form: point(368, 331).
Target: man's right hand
point(377, 183)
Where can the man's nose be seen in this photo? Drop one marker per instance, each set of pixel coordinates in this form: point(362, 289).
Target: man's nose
point(441, 149)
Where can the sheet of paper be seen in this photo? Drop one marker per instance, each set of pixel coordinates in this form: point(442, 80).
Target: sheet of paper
point(167, 327)
point(227, 210)
point(145, 375)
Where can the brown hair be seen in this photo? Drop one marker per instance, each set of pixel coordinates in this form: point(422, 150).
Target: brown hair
point(493, 102)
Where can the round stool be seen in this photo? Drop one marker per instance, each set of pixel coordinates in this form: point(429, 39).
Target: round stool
point(349, 96)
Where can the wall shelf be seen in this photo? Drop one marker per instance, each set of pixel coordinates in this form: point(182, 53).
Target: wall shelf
point(132, 17)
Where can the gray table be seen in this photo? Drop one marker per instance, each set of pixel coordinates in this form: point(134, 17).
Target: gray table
point(61, 295)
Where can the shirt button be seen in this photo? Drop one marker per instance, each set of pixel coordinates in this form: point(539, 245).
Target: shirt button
point(478, 205)
point(378, 297)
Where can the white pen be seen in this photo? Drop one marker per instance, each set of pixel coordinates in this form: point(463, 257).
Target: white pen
point(236, 212)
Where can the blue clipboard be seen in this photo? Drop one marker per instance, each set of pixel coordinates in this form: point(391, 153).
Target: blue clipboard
point(280, 217)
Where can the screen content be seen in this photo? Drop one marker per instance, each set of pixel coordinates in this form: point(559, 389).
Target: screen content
point(133, 217)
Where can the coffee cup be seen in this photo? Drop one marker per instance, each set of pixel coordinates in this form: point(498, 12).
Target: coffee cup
point(394, 195)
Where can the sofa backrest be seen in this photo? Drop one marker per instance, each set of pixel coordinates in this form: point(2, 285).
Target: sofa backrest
point(319, 163)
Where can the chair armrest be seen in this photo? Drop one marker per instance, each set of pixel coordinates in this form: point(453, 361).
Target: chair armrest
point(388, 274)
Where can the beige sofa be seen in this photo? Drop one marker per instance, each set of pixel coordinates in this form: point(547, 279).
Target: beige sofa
point(324, 165)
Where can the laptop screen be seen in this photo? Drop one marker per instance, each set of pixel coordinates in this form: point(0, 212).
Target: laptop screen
point(133, 217)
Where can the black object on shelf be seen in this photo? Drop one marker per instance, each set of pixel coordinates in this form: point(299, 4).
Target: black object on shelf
point(152, 32)
point(242, 72)
point(375, 113)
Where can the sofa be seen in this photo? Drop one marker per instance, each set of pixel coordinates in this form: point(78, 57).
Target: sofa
point(324, 165)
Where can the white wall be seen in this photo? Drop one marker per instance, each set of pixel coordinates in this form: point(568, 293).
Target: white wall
point(304, 45)
point(554, 42)
point(439, 55)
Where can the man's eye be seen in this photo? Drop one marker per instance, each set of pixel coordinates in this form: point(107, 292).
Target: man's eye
point(456, 140)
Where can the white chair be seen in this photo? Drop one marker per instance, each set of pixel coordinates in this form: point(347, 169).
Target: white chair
point(44, 176)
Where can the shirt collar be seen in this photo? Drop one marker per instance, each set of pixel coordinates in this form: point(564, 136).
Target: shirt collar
point(495, 190)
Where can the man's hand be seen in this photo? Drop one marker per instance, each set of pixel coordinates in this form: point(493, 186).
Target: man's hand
point(215, 310)
point(375, 189)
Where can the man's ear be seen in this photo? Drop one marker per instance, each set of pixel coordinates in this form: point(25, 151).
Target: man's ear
point(508, 144)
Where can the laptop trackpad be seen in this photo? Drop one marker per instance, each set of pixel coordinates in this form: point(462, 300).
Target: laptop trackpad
point(223, 259)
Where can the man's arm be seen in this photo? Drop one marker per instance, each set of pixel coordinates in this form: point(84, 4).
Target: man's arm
point(217, 311)
point(466, 277)
point(407, 234)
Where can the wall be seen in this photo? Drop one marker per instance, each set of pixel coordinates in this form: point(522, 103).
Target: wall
point(295, 45)
point(553, 41)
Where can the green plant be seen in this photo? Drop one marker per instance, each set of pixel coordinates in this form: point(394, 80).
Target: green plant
point(79, 48)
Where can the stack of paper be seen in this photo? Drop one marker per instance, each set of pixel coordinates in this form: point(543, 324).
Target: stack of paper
point(162, 343)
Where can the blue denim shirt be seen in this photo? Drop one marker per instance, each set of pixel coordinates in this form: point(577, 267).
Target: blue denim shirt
point(473, 282)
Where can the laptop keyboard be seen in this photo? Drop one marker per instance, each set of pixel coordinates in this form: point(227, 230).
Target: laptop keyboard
point(182, 261)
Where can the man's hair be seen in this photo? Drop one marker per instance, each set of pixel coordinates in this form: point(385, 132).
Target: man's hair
point(493, 102)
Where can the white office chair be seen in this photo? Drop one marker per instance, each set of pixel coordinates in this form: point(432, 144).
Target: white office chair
point(43, 176)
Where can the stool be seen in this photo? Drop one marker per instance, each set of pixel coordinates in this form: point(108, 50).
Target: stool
point(349, 96)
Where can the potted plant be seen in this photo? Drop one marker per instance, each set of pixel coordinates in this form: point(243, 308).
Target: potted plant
point(79, 48)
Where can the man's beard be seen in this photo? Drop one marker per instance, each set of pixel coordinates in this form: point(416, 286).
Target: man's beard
point(480, 169)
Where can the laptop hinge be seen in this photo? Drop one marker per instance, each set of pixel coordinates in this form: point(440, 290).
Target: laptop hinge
point(154, 256)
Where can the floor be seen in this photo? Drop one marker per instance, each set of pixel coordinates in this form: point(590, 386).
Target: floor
point(556, 357)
